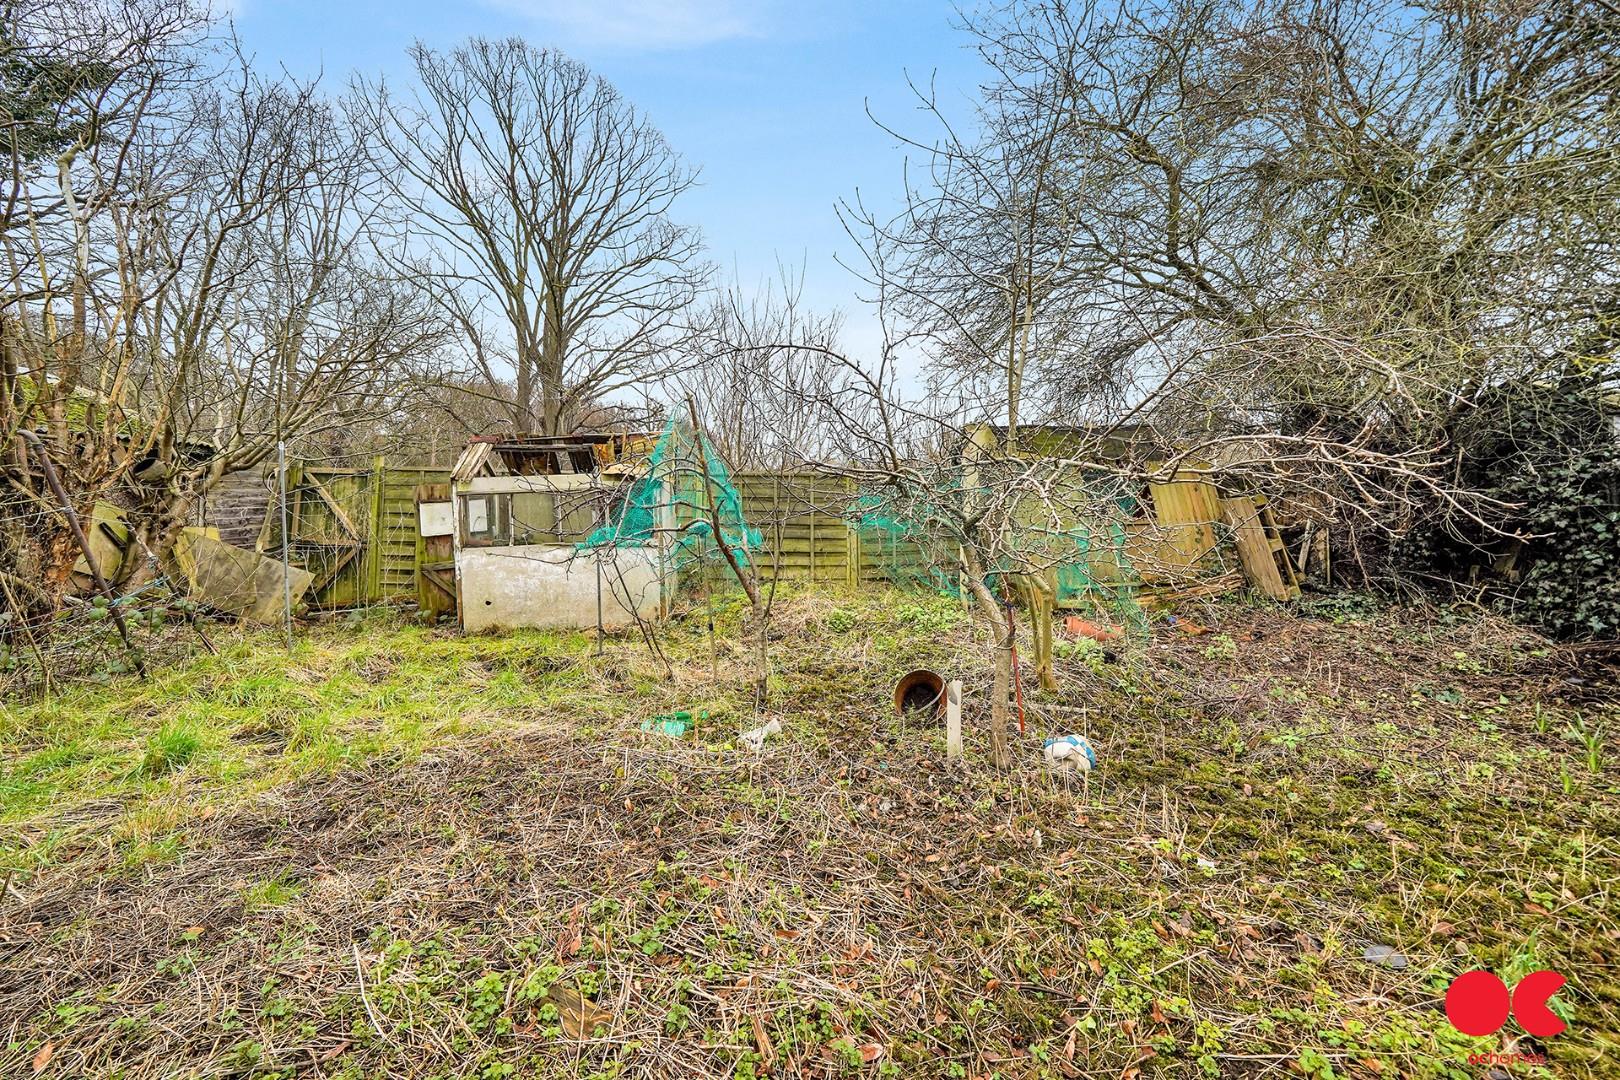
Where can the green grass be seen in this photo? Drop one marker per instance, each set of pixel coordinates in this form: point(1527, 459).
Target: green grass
point(171, 748)
point(474, 829)
point(270, 893)
point(220, 729)
point(228, 726)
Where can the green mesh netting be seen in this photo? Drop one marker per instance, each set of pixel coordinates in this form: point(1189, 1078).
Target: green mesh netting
point(1091, 567)
point(1100, 577)
point(681, 479)
point(901, 549)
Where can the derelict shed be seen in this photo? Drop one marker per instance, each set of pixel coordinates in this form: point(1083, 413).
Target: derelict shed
point(521, 511)
point(1164, 536)
point(530, 491)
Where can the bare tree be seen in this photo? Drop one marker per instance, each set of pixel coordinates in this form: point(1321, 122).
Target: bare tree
point(750, 364)
point(1330, 220)
point(265, 318)
point(189, 280)
point(545, 198)
point(90, 88)
point(980, 260)
point(1335, 225)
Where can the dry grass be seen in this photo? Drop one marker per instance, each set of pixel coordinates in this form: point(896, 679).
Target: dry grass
point(548, 891)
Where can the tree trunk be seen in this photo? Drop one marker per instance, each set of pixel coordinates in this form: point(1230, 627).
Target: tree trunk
point(523, 414)
point(156, 535)
point(762, 678)
point(1042, 601)
point(1001, 687)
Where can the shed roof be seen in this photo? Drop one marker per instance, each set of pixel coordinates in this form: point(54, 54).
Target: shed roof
point(532, 455)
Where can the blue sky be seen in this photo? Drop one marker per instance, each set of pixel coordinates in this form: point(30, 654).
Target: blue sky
point(767, 97)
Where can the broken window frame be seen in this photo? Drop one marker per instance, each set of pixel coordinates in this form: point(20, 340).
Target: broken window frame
point(503, 528)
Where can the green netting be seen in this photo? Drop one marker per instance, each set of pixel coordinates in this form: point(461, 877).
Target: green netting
point(671, 498)
point(902, 542)
point(899, 549)
point(1100, 576)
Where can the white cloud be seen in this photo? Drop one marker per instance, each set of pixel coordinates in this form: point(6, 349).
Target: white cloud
point(645, 24)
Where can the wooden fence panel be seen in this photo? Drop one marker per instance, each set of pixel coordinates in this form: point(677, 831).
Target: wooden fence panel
point(354, 529)
point(807, 536)
point(395, 574)
point(357, 531)
point(799, 517)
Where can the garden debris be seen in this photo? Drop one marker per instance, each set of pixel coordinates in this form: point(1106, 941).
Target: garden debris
point(1385, 956)
point(919, 693)
point(1075, 626)
point(579, 1015)
point(755, 739)
point(675, 724)
point(235, 580)
point(1220, 586)
point(1069, 754)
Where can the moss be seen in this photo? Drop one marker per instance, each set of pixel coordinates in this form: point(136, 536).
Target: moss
point(1206, 892)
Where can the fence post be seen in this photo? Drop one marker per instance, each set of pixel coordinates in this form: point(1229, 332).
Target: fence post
point(853, 540)
point(812, 518)
point(778, 520)
point(374, 546)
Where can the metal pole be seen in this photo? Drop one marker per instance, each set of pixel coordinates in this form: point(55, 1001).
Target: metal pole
point(286, 571)
point(55, 485)
point(599, 516)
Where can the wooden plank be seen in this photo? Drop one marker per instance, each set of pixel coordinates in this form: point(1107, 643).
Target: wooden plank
point(1254, 548)
point(435, 565)
point(329, 574)
point(234, 579)
point(338, 513)
point(374, 555)
point(1280, 557)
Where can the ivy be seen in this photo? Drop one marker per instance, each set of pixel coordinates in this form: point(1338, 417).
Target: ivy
point(1551, 451)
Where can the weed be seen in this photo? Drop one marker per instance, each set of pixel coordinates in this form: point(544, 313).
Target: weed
point(1589, 739)
point(171, 748)
point(1201, 906)
point(1221, 647)
point(933, 616)
point(270, 893)
point(1342, 608)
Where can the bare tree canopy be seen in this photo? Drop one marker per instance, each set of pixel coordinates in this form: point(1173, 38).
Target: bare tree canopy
point(190, 277)
point(1308, 240)
point(752, 364)
point(538, 199)
point(1359, 212)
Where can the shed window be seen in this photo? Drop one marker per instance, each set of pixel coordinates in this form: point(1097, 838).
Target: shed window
point(483, 520)
point(500, 519)
point(478, 516)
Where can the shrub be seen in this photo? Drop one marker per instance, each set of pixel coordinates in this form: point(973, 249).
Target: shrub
point(1551, 452)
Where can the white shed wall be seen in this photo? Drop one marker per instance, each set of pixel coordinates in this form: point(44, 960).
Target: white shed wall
point(554, 586)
